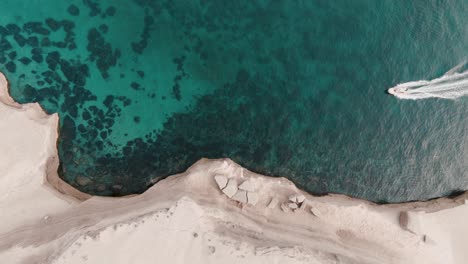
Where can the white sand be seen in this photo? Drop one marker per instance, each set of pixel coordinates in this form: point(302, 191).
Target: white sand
point(187, 219)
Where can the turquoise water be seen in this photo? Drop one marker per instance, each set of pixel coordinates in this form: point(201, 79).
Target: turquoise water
point(285, 88)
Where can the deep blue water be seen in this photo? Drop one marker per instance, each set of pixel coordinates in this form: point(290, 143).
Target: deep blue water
point(286, 88)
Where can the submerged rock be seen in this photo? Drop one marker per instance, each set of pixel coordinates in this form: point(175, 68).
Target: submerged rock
point(73, 10)
point(110, 11)
point(11, 67)
point(20, 39)
point(81, 180)
point(12, 55)
point(53, 24)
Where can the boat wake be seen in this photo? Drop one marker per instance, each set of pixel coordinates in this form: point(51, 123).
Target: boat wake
point(451, 85)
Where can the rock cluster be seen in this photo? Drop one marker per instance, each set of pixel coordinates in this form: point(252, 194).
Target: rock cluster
point(243, 193)
point(295, 201)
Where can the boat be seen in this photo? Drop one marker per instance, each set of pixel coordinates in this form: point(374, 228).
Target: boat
point(397, 90)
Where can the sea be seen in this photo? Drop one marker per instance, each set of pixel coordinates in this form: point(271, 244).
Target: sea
point(292, 88)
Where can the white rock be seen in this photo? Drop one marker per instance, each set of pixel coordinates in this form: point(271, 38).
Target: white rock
point(247, 186)
point(273, 203)
point(231, 188)
point(315, 211)
point(221, 181)
point(293, 198)
point(240, 196)
point(293, 206)
point(300, 198)
point(285, 208)
point(303, 205)
point(252, 198)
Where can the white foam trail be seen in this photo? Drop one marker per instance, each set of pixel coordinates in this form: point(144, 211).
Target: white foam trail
point(451, 85)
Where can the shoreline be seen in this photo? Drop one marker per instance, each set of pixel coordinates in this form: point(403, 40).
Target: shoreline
point(65, 188)
point(46, 219)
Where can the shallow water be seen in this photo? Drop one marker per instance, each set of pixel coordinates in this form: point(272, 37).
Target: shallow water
point(287, 88)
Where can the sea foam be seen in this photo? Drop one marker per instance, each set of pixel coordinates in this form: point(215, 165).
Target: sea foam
point(453, 84)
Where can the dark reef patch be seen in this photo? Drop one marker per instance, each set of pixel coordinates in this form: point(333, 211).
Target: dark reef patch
point(94, 7)
point(73, 10)
point(139, 47)
point(11, 66)
point(101, 52)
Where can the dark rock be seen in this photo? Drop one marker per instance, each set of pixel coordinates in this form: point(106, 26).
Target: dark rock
point(36, 51)
point(25, 60)
point(82, 128)
point(72, 46)
point(68, 25)
point(45, 42)
point(73, 111)
point(99, 125)
point(29, 91)
point(73, 10)
point(101, 52)
point(52, 59)
point(127, 151)
point(68, 128)
point(103, 28)
point(138, 47)
point(176, 92)
point(135, 86)
point(100, 188)
point(5, 45)
point(136, 119)
point(108, 101)
point(37, 58)
point(86, 115)
point(100, 145)
point(32, 41)
point(12, 55)
point(141, 74)
point(242, 76)
point(59, 44)
point(148, 20)
point(75, 73)
point(35, 27)
point(20, 39)
point(110, 11)
point(93, 6)
point(13, 29)
point(4, 31)
point(11, 67)
point(53, 24)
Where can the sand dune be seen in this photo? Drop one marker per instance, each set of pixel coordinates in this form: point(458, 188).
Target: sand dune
point(186, 218)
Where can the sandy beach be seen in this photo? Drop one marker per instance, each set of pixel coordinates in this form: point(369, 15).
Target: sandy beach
point(215, 212)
